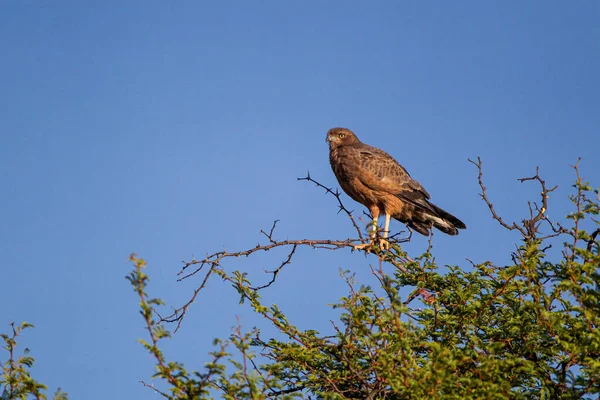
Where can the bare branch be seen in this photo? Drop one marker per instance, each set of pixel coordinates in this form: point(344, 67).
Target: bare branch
point(483, 195)
point(337, 195)
point(276, 271)
point(177, 315)
point(213, 263)
point(270, 234)
point(215, 258)
point(532, 224)
point(530, 227)
point(151, 386)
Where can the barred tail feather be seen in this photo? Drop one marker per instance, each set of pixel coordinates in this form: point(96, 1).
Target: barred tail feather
point(450, 218)
point(445, 221)
point(429, 215)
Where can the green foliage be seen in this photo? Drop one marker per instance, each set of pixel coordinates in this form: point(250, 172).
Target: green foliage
point(245, 382)
point(16, 381)
point(525, 330)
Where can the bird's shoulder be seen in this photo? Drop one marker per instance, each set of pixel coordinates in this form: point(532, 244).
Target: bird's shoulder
point(381, 170)
point(377, 160)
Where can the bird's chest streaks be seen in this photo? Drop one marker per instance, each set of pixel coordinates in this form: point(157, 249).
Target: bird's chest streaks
point(343, 165)
point(352, 164)
point(350, 175)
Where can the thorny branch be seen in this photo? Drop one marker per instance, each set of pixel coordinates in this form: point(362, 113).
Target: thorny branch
point(276, 271)
point(151, 386)
point(483, 195)
point(337, 195)
point(213, 262)
point(532, 224)
point(530, 227)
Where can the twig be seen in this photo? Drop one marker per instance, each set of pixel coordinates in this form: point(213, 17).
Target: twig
point(177, 315)
point(149, 385)
point(276, 271)
point(487, 201)
point(270, 234)
point(532, 223)
point(337, 195)
point(530, 227)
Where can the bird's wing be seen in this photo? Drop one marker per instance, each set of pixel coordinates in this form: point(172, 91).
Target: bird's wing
point(381, 172)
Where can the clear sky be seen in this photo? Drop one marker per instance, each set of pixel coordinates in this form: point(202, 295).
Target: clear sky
point(173, 129)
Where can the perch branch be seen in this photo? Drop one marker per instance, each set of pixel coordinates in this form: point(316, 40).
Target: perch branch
point(212, 263)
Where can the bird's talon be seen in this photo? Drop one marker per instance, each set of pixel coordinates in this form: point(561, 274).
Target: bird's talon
point(363, 246)
point(384, 244)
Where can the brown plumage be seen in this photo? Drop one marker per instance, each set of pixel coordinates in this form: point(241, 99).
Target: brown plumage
point(373, 178)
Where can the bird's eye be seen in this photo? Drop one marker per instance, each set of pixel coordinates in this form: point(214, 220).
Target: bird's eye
point(341, 135)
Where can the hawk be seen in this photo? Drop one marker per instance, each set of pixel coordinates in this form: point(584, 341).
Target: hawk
point(375, 179)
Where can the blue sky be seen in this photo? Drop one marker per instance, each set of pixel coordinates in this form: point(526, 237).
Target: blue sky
point(179, 129)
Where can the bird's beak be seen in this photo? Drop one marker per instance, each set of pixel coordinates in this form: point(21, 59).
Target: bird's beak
point(328, 139)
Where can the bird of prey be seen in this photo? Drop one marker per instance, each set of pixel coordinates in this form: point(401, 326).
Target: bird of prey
point(375, 179)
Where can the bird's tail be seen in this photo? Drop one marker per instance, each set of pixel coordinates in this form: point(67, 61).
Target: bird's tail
point(444, 221)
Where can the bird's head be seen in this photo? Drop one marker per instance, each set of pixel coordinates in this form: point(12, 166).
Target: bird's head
point(337, 137)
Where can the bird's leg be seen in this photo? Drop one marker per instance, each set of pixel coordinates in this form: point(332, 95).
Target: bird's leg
point(373, 226)
point(384, 244)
